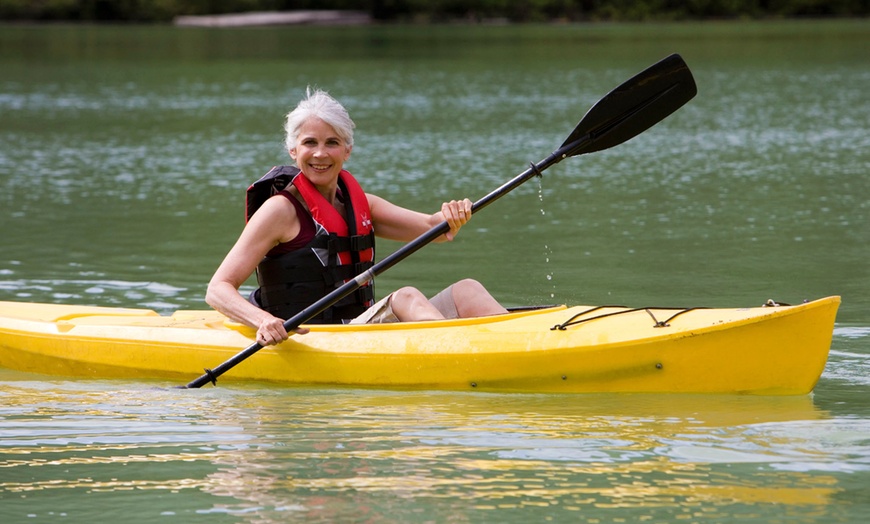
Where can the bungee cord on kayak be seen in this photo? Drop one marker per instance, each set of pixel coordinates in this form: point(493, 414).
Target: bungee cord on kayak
point(575, 320)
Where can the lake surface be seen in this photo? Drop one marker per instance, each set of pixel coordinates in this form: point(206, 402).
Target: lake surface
point(124, 156)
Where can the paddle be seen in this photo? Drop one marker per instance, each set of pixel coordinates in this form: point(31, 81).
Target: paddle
point(625, 112)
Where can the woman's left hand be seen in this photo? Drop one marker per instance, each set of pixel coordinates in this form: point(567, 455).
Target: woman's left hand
point(456, 213)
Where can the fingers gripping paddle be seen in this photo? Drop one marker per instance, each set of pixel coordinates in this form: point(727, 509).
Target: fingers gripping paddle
point(630, 109)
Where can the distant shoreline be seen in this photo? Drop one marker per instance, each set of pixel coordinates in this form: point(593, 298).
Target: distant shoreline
point(267, 18)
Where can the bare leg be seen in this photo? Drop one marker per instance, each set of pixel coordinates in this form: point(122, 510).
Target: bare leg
point(410, 305)
point(473, 300)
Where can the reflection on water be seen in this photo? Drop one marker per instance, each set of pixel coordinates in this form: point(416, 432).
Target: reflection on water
point(273, 455)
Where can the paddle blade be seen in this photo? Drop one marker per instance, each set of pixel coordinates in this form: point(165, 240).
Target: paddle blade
point(638, 104)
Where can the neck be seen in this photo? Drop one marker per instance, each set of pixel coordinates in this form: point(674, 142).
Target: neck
point(328, 193)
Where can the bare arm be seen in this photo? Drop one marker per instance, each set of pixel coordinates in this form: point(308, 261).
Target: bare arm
point(274, 222)
point(398, 223)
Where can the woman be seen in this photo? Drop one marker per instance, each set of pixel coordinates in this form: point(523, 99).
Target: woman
point(291, 239)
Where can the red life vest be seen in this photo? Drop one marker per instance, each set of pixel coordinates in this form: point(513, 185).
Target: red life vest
point(326, 215)
point(341, 250)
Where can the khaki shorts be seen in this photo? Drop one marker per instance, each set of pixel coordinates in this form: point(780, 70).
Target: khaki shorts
point(382, 311)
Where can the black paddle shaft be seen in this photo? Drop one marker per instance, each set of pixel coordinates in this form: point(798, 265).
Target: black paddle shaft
point(636, 105)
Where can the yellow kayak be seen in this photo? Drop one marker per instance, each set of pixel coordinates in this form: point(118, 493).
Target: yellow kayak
point(770, 350)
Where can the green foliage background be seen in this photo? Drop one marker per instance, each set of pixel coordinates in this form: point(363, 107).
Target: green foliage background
point(437, 10)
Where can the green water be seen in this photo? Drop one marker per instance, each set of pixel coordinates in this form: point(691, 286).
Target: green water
point(124, 154)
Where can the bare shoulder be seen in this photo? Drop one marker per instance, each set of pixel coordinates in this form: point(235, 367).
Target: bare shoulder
point(373, 199)
point(276, 219)
point(276, 206)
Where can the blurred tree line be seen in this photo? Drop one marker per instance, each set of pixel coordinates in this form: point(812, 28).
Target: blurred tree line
point(437, 10)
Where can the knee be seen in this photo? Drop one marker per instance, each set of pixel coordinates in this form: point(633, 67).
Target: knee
point(410, 304)
point(407, 295)
point(473, 300)
point(468, 287)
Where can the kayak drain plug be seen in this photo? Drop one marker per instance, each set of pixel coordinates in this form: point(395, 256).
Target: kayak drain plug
point(658, 365)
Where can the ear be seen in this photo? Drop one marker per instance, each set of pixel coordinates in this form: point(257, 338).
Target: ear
point(347, 153)
point(292, 153)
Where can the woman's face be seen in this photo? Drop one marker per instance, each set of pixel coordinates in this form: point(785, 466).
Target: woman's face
point(320, 152)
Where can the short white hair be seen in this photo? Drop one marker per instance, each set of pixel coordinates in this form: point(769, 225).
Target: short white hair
point(318, 103)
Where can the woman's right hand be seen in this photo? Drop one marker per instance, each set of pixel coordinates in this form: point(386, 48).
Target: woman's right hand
point(270, 331)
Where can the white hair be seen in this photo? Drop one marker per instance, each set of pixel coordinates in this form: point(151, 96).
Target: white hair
point(318, 103)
